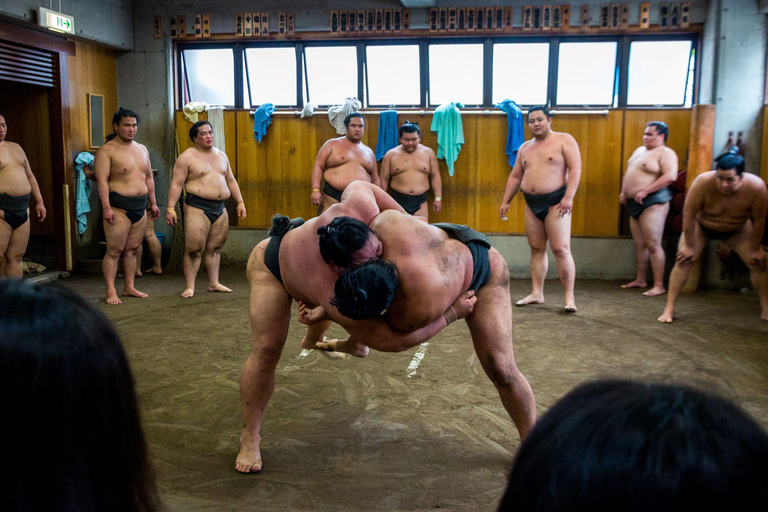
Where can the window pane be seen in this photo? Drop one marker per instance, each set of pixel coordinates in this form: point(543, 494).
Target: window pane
point(456, 73)
point(331, 74)
point(657, 72)
point(387, 86)
point(520, 73)
point(272, 74)
point(586, 73)
point(211, 76)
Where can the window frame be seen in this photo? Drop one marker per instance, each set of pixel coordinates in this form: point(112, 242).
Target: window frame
point(621, 67)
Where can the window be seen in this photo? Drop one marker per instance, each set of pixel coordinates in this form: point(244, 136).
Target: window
point(654, 84)
point(456, 73)
point(392, 75)
point(521, 72)
point(210, 76)
point(586, 73)
point(331, 74)
point(270, 76)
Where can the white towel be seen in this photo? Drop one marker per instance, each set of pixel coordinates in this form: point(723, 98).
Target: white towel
point(308, 110)
point(192, 110)
point(337, 113)
point(216, 118)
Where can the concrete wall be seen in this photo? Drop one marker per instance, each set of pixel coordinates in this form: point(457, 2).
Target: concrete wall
point(108, 22)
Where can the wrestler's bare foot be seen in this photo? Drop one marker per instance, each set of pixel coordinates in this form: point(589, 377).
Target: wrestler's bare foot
point(311, 344)
point(349, 347)
point(764, 316)
point(139, 274)
point(635, 284)
point(249, 458)
point(155, 271)
point(188, 293)
point(133, 292)
point(112, 297)
point(531, 299)
point(655, 291)
point(218, 287)
point(667, 316)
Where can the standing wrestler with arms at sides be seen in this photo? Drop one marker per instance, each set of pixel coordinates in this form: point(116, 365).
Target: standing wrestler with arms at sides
point(650, 170)
point(548, 169)
point(17, 184)
point(412, 167)
point(205, 173)
point(729, 205)
point(126, 187)
point(340, 162)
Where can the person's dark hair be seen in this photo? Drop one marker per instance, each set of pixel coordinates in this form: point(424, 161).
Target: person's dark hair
point(196, 128)
point(351, 115)
point(70, 437)
point(2, 113)
point(366, 290)
point(119, 115)
point(408, 127)
point(661, 127)
point(340, 239)
point(731, 159)
point(538, 107)
point(622, 445)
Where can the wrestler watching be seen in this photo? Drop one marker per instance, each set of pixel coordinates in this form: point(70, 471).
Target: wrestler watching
point(204, 172)
point(126, 188)
point(650, 170)
point(341, 161)
point(548, 169)
point(412, 169)
point(17, 185)
point(727, 204)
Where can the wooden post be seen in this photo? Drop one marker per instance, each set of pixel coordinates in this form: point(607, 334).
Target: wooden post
point(699, 161)
point(764, 155)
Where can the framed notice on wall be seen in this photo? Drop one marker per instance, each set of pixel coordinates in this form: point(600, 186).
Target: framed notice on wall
point(96, 119)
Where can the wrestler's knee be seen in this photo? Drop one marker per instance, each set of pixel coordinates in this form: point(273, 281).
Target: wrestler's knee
point(194, 254)
point(653, 246)
point(502, 372)
point(561, 250)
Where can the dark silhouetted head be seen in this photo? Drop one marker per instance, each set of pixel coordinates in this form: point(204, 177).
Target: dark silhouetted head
point(341, 239)
point(366, 290)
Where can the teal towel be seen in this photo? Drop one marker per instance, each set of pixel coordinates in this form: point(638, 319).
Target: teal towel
point(82, 206)
point(450, 132)
point(387, 138)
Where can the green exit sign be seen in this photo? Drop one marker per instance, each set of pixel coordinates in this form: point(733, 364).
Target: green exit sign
point(55, 21)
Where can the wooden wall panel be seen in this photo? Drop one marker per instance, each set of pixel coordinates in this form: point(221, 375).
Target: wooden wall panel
point(92, 70)
point(274, 175)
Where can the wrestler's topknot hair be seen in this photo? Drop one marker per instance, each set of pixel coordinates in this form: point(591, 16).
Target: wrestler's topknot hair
point(280, 225)
point(731, 159)
point(409, 127)
point(367, 290)
point(119, 115)
point(340, 239)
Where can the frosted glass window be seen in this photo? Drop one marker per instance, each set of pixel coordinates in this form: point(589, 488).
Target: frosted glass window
point(210, 76)
point(331, 74)
point(520, 72)
point(272, 76)
point(586, 73)
point(456, 73)
point(660, 72)
point(392, 74)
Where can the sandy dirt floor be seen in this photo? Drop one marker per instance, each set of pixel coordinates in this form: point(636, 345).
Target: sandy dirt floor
point(392, 432)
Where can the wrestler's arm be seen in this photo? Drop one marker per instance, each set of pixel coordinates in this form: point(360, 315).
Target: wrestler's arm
point(150, 181)
point(101, 166)
point(317, 171)
point(39, 206)
point(180, 174)
point(435, 181)
point(385, 170)
point(694, 199)
point(622, 193)
point(572, 156)
point(234, 189)
point(368, 200)
point(373, 170)
point(759, 209)
point(513, 182)
point(668, 175)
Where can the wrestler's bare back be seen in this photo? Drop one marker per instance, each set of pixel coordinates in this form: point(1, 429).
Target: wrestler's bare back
point(543, 163)
point(13, 166)
point(206, 173)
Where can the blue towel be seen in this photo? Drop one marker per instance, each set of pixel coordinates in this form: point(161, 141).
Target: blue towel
point(82, 206)
point(446, 121)
point(515, 127)
point(387, 138)
point(261, 119)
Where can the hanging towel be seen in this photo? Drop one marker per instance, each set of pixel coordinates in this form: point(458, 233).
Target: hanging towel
point(262, 118)
point(308, 110)
point(193, 109)
point(515, 133)
point(450, 132)
point(216, 118)
point(387, 138)
point(82, 206)
point(336, 114)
